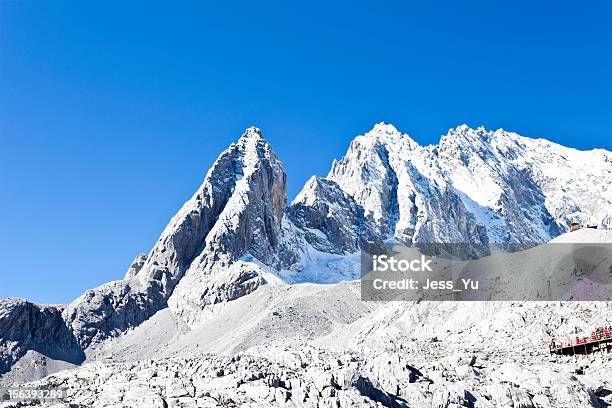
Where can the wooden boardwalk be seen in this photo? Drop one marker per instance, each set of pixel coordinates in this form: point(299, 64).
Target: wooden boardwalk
point(599, 341)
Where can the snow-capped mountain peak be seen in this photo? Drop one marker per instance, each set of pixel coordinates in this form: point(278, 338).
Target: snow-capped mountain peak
point(252, 132)
point(383, 128)
point(386, 133)
point(474, 186)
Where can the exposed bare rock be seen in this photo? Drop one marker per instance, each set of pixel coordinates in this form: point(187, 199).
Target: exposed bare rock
point(136, 266)
point(111, 309)
point(248, 232)
point(25, 326)
point(238, 211)
point(311, 377)
point(331, 219)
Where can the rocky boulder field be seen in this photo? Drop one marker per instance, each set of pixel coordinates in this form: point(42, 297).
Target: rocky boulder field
point(395, 355)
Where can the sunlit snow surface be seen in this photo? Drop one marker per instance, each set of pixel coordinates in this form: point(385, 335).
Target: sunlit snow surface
point(520, 189)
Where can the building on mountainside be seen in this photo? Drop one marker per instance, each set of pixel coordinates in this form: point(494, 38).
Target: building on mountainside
point(574, 226)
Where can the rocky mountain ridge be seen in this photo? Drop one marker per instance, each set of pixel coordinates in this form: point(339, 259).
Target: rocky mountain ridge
point(237, 232)
point(474, 186)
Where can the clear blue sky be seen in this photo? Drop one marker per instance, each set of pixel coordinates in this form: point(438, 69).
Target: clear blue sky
point(112, 112)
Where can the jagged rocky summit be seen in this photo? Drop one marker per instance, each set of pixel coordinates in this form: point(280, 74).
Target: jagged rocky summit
point(475, 186)
point(237, 232)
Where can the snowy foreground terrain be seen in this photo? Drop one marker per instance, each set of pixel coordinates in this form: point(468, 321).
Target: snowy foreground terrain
point(248, 301)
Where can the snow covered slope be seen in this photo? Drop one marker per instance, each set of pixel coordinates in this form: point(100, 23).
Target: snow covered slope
point(475, 186)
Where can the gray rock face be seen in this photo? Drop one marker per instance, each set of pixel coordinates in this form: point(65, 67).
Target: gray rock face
point(250, 227)
point(331, 220)
point(136, 266)
point(25, 326)
point(111, 309)
point(366, 174)
point(251, 220)
point(184, 237)
point(238, 211)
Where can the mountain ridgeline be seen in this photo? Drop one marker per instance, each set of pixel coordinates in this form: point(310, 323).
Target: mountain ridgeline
point(237, 231)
